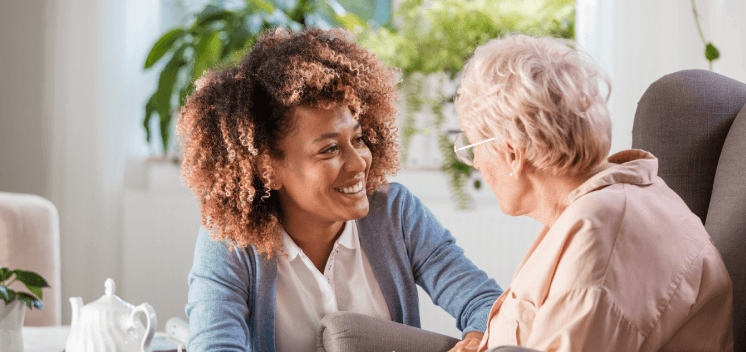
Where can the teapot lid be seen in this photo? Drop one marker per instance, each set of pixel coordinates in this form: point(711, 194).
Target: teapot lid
point(109, 300)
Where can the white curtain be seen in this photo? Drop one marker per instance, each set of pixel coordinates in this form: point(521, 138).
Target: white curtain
point(93, 100)
point(639, 41)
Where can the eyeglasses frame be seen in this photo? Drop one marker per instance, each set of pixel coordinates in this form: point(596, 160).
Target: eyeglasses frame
point(456, 150)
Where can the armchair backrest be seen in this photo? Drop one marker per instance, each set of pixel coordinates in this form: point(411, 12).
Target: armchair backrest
point(30, 240)
point(694, 122)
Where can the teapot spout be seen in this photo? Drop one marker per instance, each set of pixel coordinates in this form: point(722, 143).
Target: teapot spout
point(77, 304)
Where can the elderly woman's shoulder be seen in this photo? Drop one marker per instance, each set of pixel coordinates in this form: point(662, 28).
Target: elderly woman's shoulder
point(586, 233)
point(601, 205)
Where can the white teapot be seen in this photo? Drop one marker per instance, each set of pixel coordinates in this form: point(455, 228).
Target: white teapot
point(110, 324)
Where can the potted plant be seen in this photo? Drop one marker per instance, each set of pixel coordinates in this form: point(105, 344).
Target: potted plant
point(431, 41)
point(219, 37)
point(12, 309)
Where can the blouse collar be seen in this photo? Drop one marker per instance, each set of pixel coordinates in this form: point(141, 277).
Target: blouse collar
point(345, 239)
point(633, 166)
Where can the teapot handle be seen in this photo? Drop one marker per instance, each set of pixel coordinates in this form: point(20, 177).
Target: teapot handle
point(150, 328)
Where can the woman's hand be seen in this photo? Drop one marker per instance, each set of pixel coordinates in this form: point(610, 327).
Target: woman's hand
point(470, 343)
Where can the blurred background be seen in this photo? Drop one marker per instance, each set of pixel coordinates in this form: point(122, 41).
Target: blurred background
point(89, 90)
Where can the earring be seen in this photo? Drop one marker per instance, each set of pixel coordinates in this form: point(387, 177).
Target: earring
point(511, 174)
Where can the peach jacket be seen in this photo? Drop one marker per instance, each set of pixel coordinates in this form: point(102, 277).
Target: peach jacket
point(626, 267)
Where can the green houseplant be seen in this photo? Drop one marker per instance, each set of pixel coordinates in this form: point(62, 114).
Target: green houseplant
point(435, 39)
point(219, 36)
point(33, 282)
point(11, 307)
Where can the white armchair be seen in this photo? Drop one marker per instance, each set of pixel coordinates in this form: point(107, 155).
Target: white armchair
point(30, 240)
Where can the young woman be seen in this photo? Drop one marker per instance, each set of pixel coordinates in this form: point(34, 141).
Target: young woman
point(288, 154)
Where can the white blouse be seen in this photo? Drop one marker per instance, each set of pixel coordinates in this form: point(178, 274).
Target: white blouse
point(305, 295)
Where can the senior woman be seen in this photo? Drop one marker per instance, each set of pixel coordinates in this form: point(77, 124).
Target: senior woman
point(288, 155)
point(621, 263)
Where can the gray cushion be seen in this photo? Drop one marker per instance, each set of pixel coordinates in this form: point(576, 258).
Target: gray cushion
point(683, 119)
point(726, 218)
point(353, 332)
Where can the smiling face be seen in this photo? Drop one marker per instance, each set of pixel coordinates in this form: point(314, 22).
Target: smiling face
point(323, 175)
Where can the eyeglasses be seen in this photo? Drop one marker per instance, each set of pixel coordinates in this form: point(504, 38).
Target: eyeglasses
point(464, 150)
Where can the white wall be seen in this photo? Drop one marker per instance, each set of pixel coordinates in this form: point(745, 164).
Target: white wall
point(639, 41)
point(24, 155)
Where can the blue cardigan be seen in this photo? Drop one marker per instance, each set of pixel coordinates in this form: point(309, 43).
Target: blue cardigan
point(232, 294)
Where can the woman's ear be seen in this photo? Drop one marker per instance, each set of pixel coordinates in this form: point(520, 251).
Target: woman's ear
point(516, 157)
point(275, 183)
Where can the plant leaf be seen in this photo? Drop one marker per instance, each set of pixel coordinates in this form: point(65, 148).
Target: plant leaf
point(5, 274)
point(162, 46)
point(165, 129)
point(36, 291)
point(149, 110)
point(207, 53)
point(209, 14)
point(30, 278)
point(350, 21)
point(711, 52)
point(4, 294)
point(263, 5)
point(30, 300)
point(238, 34)
point(185, 92)
point(162, 97)
point(11, 295)
point(460, 167)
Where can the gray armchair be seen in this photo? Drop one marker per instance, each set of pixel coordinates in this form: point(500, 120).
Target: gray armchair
point(694, 121)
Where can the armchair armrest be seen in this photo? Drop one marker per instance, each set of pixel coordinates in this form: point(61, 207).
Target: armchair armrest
point(353, 332)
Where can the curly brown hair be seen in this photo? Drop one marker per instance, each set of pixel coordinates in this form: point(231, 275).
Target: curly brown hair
point(235, 120)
